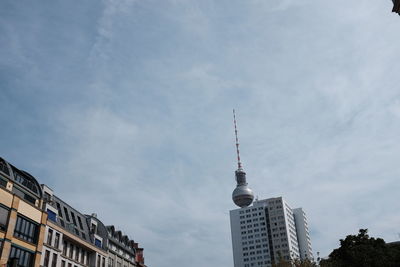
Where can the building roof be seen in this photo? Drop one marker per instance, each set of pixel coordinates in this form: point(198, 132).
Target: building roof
point(71, 220)
point(21, 178)
point(123, 241)
point(101, 229)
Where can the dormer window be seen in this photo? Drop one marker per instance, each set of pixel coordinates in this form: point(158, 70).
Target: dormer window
point(97, 242)
point(3, 167)
point(94, 228)
point(47, 197)
point(26, 182)
point(51, 215)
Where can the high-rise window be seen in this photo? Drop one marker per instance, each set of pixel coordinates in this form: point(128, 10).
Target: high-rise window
point(26, 229)
point(49, 237)
point(22, 257)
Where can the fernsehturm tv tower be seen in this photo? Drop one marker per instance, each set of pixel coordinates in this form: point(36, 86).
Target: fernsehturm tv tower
point(242, 196)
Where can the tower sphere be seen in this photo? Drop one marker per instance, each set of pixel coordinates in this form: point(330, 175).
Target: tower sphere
point(242, 196)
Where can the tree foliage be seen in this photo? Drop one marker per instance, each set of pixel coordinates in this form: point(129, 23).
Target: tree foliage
point(294, 263)
point(363, 251)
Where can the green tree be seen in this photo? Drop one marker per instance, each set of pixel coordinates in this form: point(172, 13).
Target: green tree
point(293, 263)
point(363, 251)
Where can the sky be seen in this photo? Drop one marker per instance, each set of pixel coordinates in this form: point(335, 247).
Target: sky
point(124, 109)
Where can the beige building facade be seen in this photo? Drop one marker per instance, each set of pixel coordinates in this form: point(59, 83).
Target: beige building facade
point(22, 222)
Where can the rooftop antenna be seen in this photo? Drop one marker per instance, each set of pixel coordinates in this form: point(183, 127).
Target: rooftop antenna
point(237, 141)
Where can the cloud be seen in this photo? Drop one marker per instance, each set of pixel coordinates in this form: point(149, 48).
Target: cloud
point(124, 109)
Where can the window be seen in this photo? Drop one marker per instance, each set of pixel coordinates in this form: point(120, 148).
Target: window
point(3, 218)
point(26, 182)
point(73, 218)
point(57, 240)
point(65, 246)
point(3, 167)
point(3, 182)
point(51, 215)
point(26, 229)
point(47, 197)
point(93, 229)
point(54, 261)
point(63, 263)
point(23, 257)
point(46, 258)
point(59, 209)
point(98, 260)
point(22, 195)
point(77, 254)
point(49, 237)
point(97, 242)
point(66, 214)
point(71, 250)
point(80, 222)
point(82, 256)
point(110, 262)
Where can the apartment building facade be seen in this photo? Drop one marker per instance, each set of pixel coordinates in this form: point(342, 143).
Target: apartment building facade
point(37, 228)
point(121, 249)
point(71, 239)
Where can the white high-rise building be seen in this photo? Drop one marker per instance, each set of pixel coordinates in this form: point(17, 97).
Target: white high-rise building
point(303, 235)
point(268, 231)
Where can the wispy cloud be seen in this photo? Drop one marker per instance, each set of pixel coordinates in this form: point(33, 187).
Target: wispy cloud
point(124, 108)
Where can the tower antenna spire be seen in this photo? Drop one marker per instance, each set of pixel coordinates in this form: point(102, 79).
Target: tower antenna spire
point(237, 141)
point(242, 196)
